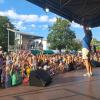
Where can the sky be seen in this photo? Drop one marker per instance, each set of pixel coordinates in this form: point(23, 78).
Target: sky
point(32, 19)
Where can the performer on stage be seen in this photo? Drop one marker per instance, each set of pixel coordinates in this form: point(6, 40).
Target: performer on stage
point(86, 49)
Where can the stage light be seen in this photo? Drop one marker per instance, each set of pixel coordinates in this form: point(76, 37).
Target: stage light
point(90, 28)
point(46, 10)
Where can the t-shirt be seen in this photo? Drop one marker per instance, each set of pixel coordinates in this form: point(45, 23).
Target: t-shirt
point(86, 41)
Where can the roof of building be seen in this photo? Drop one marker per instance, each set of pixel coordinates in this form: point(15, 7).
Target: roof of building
point(29, 35)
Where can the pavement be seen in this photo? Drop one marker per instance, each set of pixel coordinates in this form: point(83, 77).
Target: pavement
point(68, 86)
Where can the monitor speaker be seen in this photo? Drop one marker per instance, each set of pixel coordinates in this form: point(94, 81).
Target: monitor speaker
point(39, 77)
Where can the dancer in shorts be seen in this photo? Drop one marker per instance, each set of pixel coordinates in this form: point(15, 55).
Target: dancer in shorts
point(86, 49)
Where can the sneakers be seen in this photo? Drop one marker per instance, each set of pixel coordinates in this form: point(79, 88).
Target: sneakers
point(91, 74)
point(88, 74)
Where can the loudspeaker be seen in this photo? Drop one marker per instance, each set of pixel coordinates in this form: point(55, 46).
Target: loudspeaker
point(39, 77)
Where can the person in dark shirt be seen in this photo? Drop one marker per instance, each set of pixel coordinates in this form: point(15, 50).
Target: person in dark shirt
point(86, 49)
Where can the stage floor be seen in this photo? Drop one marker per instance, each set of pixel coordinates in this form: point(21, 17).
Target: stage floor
point(67, 86)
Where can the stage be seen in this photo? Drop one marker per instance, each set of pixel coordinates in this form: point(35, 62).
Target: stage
point(68, 86)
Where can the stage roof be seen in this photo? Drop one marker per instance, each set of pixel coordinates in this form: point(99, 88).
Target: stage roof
point(74, 10)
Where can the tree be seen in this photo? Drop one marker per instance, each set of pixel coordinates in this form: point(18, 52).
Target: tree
point(95, 42)
point(4, 22)
point(60, 35)
point(76, 45)
point(95, 45)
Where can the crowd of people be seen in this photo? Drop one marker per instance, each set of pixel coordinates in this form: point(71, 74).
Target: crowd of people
point(15, 68)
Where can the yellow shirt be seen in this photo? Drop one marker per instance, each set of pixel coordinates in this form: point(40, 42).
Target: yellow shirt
point(28, 71)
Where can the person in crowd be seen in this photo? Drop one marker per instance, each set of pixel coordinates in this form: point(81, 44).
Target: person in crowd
point(1, 64)
point(86, 50)
point(15, 67)
point(1, 51)
point(1, 67)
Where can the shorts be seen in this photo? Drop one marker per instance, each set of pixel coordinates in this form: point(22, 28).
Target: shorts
point(85, 53)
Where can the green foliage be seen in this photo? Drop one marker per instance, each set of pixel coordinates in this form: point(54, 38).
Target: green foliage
point(98, 48)
point(60, 35)
point(4, 21)
point(95, 42)
point(76, 45)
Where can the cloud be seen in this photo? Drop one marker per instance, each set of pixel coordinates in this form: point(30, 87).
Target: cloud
point(53, 19)
point(13, 15)
point(27, 17)
point(33, 25)
point(43, 27)
point(38, 27)
point(44, 18)
point(75, 25)
point(1, 1)
point(9, 13)
point(19, 25)
point(32, 22)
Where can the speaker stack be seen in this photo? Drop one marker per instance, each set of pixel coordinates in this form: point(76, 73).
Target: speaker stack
point(39, 77)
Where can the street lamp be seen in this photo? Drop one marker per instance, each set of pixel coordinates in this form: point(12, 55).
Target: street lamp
point(8, 35)
point(8, 40)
